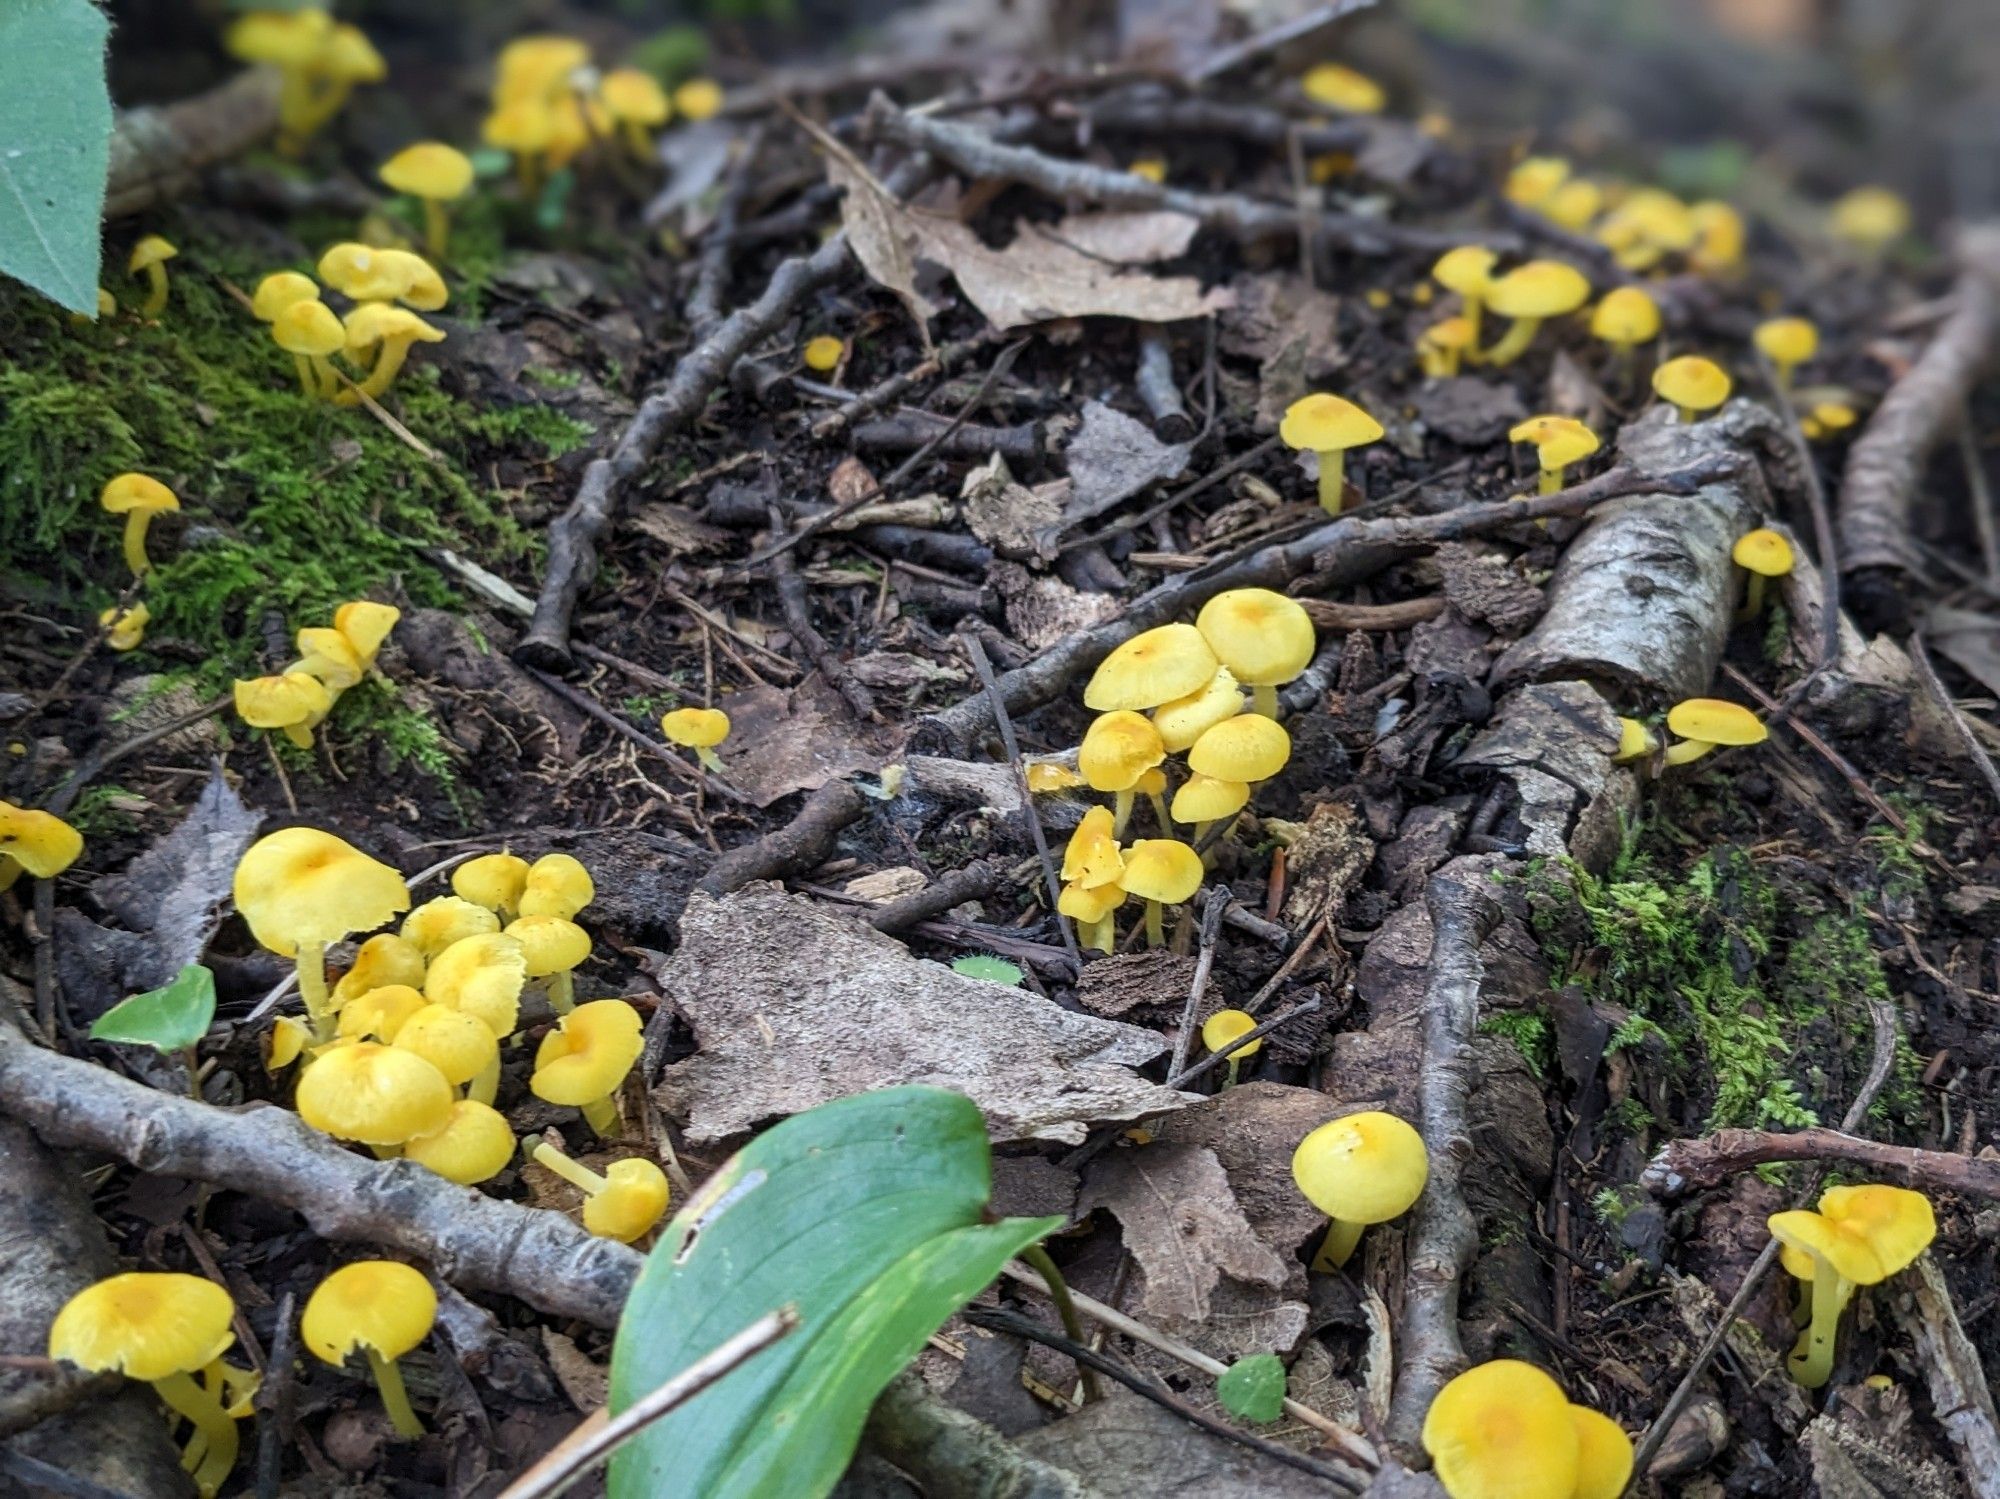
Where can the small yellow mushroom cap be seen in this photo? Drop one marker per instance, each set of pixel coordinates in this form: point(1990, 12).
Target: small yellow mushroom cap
point(1603, 1455)
point(1362, 1168)
point(1322, 423)
point(376, 1094)
point(1559, 441)
point(1447, 336)
point(1635, 741)
point(1574, 204)
point(1715, 720)
point(457, 1044)
point(290, 39)
point(587, 1055)
point(382, 959)
point(1763, 551)
point(287, 1041)
point(1503, 1430)
point(1534, 178)
point(1467, 270)
point(326, 655)
point(1089, 904)
point(1720, 235)
point(534, 67)
point(1155, 666)
point(1787, 340)
point(349, 57)
point(445, 919)
point(1871, 217)
point(383, 1305)
point(551, 944)
point(40, 842)
point(523, 126)
point(361, 272)
point(557, 885)
point(634, 94)
point(697, 728)
point(366, 625)
point(823, 354)
point(152, 250)
point(1209, 799)
point(1248, 747)
point(474, 1145)
point(137, 492)
point(295, 697)
point(300, 885)
point(428, 169)
point(127, 627)
point(1827, 418)
point(145, 1325)
point(1047, 775)
point(699, 99)
point(1896, 1223)
point(1625, 316)
point(494, 881)
point(280, 290)
point(1262, 637)
point(425, 290)
point(1692, 381)
point(380, 1013)
point(384, 322)
point(1539, 289)
point(1224, 1026)
point(1332, 86)
point(633, 1200)
point(1092, 860)
point(309, 327)
point(1162, 869)
point(1186, 719)
point(1118, 748)
point(482, 976)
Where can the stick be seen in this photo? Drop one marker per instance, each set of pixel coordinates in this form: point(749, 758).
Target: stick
point(1216, 1058)
point(1684, 1166)
point(801, 843)
point(798, 619)
point(1920, 657)
point(1159, 392)
point(159, 152)
point(974, 882)
point(602, 1434)
point(1958, 1389)
point(1213, 906)
point(1231, 58)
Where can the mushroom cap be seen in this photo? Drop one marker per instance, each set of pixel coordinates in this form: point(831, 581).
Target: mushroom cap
point(366, 625)
point(144, 1325)
point(1334, 87)
point(349, 57)
point(1714, 720)
point(383, 1305)
point(326, 656)
point(426, 290)
point(457, 1044)
point(428, 169)
point(141, 492)
point(152, 250)
point(474, 1145)
point(1502, 1430)
point(1661, 220)
point(1626, 315)
point(1832, 416)
point(1763, 551)
point(1092, 860)
point(1089, 903)
point(1692, 381)
point(1720, 234)
point(1209, 799)
point(376, 1094)
point(302, 886)
point(822, 354)
point(309, 328)
point(634, 1198)
point(384, 322)
point(1467, 270)
point(587, 1055)
point(1896, 1223)
point(1870, 217)
point(1153, 667)
point(1322, 423)
point(1118, 748)
point(1447, 335)
point(1635, 740)
point(494, 881)
point(1574, 204)
point(482, 976)
point(127, 626)
point(699, 99)
point(557, 885)
point(290, 39)
point(280, 290)
point(380, 1014)
point(363, 273)
point(383, 959)
point(1539, 289)
point(1261, 636)
point(295, 697)
point(533, 67)
point(1161, 869)
point(1603, 1455)
point(1050, 775)
point(634, 94)
point(1151, 782)
point(445, 919)
point(1534, 178)
point(523, 126)
point(1186, 719)
point(40, 842)
point(1362, 1168)
point(1248, 747)
point(1559, 440)
point(697, 728)
point(1225, 1026)
point(1786, 340)
point(552, 944)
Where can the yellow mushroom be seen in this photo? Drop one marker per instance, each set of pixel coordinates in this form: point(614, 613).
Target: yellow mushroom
point(1227, 1026)
point(380, 1013)
point(366, 625)
point(1625, 318)
point(1091, 908)
point(1503, 1430)
point(279, 290)
point(1467, 270)
point(1328, 425)
point(1332, 86)
point(1530, 295)
point(310, 333)
point(1206, 800)
point(637, 105)
point(439, 175)
point(391, 328)
point(823, 354)
point(372, 1093)
point(553, 946)
point(557, 885)
point(1787, 342)
point(1248, 747)
point(1441, 347)
point(1533, 179)
point(698, 99)
point(125, 628)
point(583, 1062)
point(1161, 872)
point(1635, 741)
point(698, 729)
point(494, 881)
point(1558, 441)
point(1154, 667)
point(293, 702)
point(623, 1204)
point(138, 497)
point(37, 842)
point(1360, 1169)
point(1118, 748)
point(446, 919)
point(365, 273)
point(385, 1309)
point(1573, 205)
point(289, 41)
point(1186, 719)
point(1871, 219)
point(474, 1145)
point(1827, 419)
point(1706, 722)
point(1860, 1236)
point(458, 1044)
point(1763, 553)
point(482, 975)
point(149, 259)
point(523, 129)
point(1263, 638)
point(1692, 385)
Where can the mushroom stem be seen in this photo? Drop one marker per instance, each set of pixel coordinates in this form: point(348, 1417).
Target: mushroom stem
point(1686, 751)
point(1235, 1062)
point(1102, 934)
point(311, 965)
point(1472, 309)
point(156, 291)
point(562, 993)
point(570, 1170)
point(308, 377)
point(1689, 416)
point(1156, 933)
point(638, 140)
point(1783, 368)
point(1514, 342)
point(395, 1399)
point(136, 522)
point(1812, 1359)
point(295, 108)
point(601, 1114)
point(387, 363)
point(1264, 700)
point(1332, 479)
point(1338, 1246)
point(709, 758)
point(1122, 812)
point(1753, 597)
point(528, 172)
point(1160, 817)
point(437, 228)
point(329, 378)
point(10, 871)
point(1551, 481)
point(215, 1432)
point(485, 1084)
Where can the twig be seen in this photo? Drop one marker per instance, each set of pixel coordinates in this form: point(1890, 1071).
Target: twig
point(974, 882)
point(797, 608)
point(801, 843)
point(103, 758)
point(275, 1399)
point(1374, 618)
point(1213, 905)
point(1180, 1079)
point(1159, 392)
point(602, 1434)
point(1689, 1165)
point(590, 708)
point(941, 361)
point(716, 258)
point(1824, 542)
point(1927, 675)
point(1292, 960)
point(1251, 48)
point(1959, 1392)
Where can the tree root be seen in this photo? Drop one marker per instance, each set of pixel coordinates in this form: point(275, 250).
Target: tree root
point(1684, 1166)
point(159, 152)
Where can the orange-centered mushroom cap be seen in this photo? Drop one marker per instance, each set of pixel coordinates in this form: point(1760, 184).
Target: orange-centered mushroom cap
point(1264, 638)
point(696, 728)
point(445, 919)
point(1161, 869)
point(1362, 1168)
point(1693, 382)
point(1322, 423)
point(1186, 719)
point(1503, 1430)
point(587, 1055)
point(145, 1325)
point(382, 1305)
point(482, 976)
point(375, 1094)
point(1626, 316)
point(1763, 551)
point(302, 886)
point(1118, 748)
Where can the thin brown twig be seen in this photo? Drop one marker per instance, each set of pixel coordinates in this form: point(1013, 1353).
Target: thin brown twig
point(1223, 1053)
point(1684, 1166)
point(590, 708)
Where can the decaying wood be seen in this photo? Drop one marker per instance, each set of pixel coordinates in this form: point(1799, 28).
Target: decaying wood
point(159, 152)
point(950, 1452)
point(1957, 1381)
point(1684, 1166)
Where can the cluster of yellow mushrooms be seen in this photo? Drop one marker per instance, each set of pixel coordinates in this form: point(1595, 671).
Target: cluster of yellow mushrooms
point(331, 660)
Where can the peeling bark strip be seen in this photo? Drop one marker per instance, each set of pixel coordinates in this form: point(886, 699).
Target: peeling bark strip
point(1959, 1392)
point(159, 152)
point(1887, 459)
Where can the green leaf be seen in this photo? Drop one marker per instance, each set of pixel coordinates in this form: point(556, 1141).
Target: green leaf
point(55, 146)
point(865, 1214)
point(168, 1019)
point(1253, 1388)
point(980, 965)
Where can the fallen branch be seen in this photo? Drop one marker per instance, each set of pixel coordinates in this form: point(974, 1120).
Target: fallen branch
point(1684, 1166)
point(158, 152)
point(801, 843)
point(949, 1452)
point(1959, 1393)
point(973, 882)
point(797, 607)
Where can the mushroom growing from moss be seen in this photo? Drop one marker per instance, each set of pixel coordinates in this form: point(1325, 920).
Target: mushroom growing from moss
point(391, 328)
point(1153, 667)
point(1532, 294)
point(637, 105)
point(373, 1093)
point(36, 841)
point(1327, 426)
point(1161, 872)
point(1692, 385)
point(1467, 270)
point(439, 175)
point(698, 729)
point(1859, 1237)
point(124, 629)
point(137, 497)
point(385, 1309)
point(1763, 553)
point(149, 259)
point(1118, 748)
point(1359, 1170)
point(289, 41)
point(1503, 1430)
point(1558, 441)
point(364, 273)
point(1787, 342)
point(1225, 1027)
point(309, 332)
point(1263, 638)
point(1705, 722)
point(293, 702)
point(583, 1062)
point(623, 1204)
point(279, 290)
point(366, 624)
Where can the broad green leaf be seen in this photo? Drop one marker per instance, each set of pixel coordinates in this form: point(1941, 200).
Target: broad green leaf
point(55, 145)
point(1253, 1388)
point(980, 965)
point(172, 1018)
point(865, 1214)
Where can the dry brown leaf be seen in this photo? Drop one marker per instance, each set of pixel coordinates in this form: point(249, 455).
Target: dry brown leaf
point(1140, 237)
point(878, 234)
point(678, 529)
point(1113, 456)
point(582, 1378)
point(782, 742)
point(1252, 1130)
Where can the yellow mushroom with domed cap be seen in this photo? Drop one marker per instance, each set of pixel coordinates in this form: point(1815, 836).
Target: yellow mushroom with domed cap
point(1359, 1169)
point(1503, 1430)
point(623, 1204)
point(1327, 426)
point(1703, 723)
point(1626, 317)
point(637, 105)
point(1871, 218)
point(279, 290)
point(1534, 179)
point(698, 99)
point(1859, 1237)
point(309, 332)
point(373, 1093)
point(822, 355)
point(482, 975)
point(293, 702)
point(1118, 748)
point(474, 1145)
point(1161, 872)
point(149, 259)
point(300, 889)
point(1263, 638)
point(38, 842)
point(1091, 908)
point(1092, 858)
point(1531, 294)
point(1692, 385)
point(1467, 270)
point(125, 628)
point(458, 1044)
point(557, 885)
point(1603, 1455)
point(1442, 346)
point(364, 272)
point(1719, 237)
point(1332, 86)
point(444, 919)
point(1154, 667)
point(137, 497)
point(553, 946)
point(1635, 741)
point(380, 1014)
point(583, 1062)
point(1558, 441)
point(1827, 419)
point(1186, 719)
point(1573, 205)
point(382, 1307)
point(494, 881)
point(439, 175)
point(1225, 1027)
point(366, 624)
point(391, 328)
point(1248, 747)
point(1787, 342)
point(163, 1329)
point(289, 41)
point(1207, 800)
point(698, 729)
point(1763, 553)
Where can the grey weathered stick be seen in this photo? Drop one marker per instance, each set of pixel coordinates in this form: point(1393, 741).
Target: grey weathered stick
point(158, 152)
point(1228, 59)
point(1959, 1392)
point(974, 882)
point(1683, 1166)
point(1213, 905)
point(1968, 738)
point(1159, 391)
point(797, 606)
point(949, 1452)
